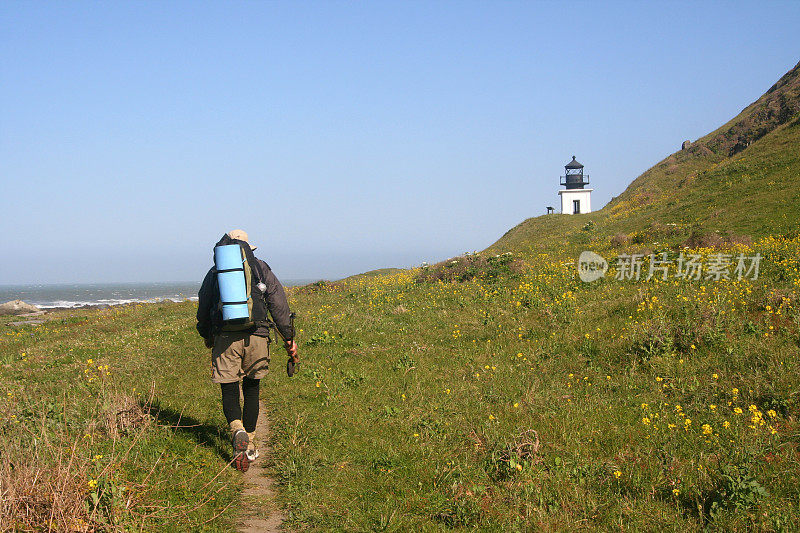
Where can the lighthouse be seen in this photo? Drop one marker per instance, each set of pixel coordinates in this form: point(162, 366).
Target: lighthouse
point(574, 198)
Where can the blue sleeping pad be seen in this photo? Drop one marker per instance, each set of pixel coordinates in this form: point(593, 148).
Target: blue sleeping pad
point(232, 284)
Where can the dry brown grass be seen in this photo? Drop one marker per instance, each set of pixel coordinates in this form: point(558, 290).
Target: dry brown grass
point(715, 240)
point(48, 482)
point(123, 416)
point(620, 239)
point(469, 267)
point(44, 488)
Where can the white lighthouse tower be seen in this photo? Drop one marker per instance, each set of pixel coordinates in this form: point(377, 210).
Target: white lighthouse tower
point(574, 198)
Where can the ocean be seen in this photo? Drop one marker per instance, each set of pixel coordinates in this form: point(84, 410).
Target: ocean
point(66, 296)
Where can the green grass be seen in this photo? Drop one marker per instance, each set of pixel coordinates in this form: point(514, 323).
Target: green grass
point(415, 398)
point(152, 415)
point(510, 400)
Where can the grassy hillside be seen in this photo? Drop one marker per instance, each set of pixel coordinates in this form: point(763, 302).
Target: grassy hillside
point(524, 399)
point(508, 397)
point(738, 180)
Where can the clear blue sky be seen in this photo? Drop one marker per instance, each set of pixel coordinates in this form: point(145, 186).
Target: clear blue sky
point(343, 136)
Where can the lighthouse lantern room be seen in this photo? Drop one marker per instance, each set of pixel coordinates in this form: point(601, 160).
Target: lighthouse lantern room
point(575, 199)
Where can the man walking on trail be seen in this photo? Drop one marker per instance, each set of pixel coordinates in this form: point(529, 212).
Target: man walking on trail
point(244, 354)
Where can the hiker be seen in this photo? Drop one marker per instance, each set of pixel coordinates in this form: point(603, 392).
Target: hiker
point(240, 348)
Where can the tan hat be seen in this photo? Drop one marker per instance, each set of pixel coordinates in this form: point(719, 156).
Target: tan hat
point(240, 235)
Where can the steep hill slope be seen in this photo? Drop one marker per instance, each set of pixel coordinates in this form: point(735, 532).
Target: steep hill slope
point(735, 181)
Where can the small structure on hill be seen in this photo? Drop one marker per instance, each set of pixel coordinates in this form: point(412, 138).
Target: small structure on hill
point(550, 210)
point(575, 199)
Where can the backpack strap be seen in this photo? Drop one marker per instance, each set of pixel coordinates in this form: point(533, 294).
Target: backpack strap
point(262, 278)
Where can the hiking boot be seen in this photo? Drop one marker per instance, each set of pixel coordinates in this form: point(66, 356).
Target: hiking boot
point(252, 454)
point(252, 451)
point(241, 442)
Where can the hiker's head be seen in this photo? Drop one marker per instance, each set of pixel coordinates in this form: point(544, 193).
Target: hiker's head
point(240, 235)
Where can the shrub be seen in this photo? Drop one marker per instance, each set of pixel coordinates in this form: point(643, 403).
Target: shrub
point(700, 239)
point(735, 489)
point(618, 240)
point(474, 266)
point(506, 459)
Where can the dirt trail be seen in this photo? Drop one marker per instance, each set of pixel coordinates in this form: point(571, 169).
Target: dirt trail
point(260, 513)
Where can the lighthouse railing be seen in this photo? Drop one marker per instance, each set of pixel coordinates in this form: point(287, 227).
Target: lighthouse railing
point(584, 181)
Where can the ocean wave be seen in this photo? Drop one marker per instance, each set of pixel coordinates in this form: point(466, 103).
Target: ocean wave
point(72, 304)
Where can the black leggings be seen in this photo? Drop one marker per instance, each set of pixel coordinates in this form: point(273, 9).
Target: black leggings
point(230, 402)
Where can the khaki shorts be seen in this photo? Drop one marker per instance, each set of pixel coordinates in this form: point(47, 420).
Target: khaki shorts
point(236, 355)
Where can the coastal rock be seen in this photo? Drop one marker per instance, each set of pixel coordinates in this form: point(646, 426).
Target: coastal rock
point(27, 323)
point(17, 307)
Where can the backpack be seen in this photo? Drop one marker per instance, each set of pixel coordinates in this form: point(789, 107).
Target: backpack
point(241, 301)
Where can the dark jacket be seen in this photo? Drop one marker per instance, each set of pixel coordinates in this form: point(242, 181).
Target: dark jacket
point(209, 315)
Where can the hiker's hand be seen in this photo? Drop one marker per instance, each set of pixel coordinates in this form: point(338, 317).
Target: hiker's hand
point(209, 342)
point(291, 349)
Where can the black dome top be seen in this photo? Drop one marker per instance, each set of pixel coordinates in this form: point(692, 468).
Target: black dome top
point(573, 164)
